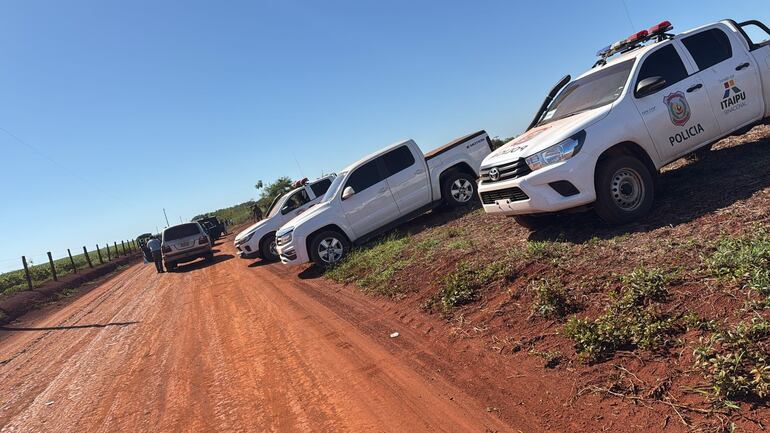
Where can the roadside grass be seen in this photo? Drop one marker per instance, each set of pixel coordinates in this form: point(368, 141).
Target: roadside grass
point(736, 360)
point(552, 299)
point(462, 285)
point(633, 319)
point(744, 260)
point(373, 267)
point(15, 281)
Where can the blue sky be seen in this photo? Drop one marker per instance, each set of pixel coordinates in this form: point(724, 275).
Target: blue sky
point(130, 107)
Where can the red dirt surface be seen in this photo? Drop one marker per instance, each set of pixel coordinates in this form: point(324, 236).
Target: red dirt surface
point(226, 347)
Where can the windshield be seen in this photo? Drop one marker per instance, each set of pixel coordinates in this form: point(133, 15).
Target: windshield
point(273, 209)
point(592, 91)
point(332, 191)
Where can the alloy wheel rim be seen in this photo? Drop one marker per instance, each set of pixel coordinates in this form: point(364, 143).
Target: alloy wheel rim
point(462, 190)
point(330, 250)
point(273, 248)
point(627, 189)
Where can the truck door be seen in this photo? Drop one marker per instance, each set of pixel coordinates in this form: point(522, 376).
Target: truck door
point(407, 178)
point(372, 204)
point(679, 116)
point(730, 75)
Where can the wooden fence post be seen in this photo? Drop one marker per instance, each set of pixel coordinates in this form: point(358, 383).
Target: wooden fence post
point(117, 251)
point(88, 259)
point(53, 267)
point(123, 244)
point(109, 258)
point(74, 268)
point(99, 253)
point(26, 272)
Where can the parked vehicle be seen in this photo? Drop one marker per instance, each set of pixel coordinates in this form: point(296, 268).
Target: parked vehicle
point(600, 139)
point(258, 240)
point(381, 191)
point(184, 243)
point(213, 226)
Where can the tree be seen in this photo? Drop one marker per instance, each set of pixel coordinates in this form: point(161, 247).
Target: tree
point(269, 192)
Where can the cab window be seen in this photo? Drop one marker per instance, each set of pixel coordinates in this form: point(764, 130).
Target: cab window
point(364, 176)
point(295, 201)
point(664, 63)
point(708, 47)
point(398, 159)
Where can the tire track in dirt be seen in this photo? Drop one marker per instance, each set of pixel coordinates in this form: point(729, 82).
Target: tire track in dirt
point(222, 347)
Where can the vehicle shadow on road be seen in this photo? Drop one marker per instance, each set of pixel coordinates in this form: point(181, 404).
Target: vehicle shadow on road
point(718, 180)
point(311, 272)
point(64, 328)
point(200, 264)
point(260, 262)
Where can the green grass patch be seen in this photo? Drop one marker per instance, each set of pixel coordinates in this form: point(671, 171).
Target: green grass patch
point(544, 250)
point(736, 361)
point(552, 300)
point(745, 260)
point(461, 286)
point(631, 320)
point(374, 266)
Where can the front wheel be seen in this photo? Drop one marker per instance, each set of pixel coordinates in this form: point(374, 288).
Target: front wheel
point(625, 190)
point(328, 248)
point(268, 248)
point(458, 189)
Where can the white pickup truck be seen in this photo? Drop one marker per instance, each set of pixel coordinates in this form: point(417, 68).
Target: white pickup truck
point(258, 240)
point(601, 139)
point(381, 191)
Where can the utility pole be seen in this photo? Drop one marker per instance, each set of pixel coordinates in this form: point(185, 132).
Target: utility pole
point(166, 216)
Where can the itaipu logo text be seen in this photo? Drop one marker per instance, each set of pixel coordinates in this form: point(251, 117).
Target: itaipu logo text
point(678, 108)
point(733, 96)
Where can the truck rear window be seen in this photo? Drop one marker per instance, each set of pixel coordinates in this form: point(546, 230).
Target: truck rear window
point(181, 231)
point(708, 47)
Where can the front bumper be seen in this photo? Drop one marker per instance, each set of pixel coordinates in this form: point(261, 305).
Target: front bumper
point(247, 249)
point(293, 253)
point(533, 193)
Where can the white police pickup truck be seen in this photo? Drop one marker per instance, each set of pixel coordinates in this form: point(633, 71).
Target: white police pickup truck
point(651, 98)
point(258, 240)
point(381, 191)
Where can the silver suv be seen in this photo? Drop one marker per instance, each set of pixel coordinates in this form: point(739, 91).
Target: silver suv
point(185, 243)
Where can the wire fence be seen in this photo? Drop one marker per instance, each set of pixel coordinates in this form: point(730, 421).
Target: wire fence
point(32, 271)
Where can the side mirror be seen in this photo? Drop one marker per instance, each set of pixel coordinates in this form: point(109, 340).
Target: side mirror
point(650, 85)
point(348, 192)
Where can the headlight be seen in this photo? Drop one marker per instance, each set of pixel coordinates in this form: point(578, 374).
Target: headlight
point(284, 236)
point(247, 238)
point(557, 153)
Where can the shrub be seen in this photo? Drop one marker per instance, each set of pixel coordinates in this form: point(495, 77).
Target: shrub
point(735, 361)
point(460, 286)
point(552, 299)
point(745, 260)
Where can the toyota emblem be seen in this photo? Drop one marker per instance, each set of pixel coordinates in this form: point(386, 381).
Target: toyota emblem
point(494, 174)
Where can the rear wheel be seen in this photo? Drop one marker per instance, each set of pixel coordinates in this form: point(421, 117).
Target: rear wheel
point(209, 257)
point(328, 248)
point(268, 248)
point(458, 189)
point(625, 190)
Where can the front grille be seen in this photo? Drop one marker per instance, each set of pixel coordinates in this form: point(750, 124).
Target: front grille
point(511, 170)
point(512, 194)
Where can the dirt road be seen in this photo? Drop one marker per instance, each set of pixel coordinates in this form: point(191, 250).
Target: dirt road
point(226, 347)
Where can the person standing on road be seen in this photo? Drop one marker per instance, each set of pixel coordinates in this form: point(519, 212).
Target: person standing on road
point(154, 246)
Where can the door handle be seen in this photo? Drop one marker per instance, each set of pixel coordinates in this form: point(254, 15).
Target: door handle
point(742, 66)
point(694, 88)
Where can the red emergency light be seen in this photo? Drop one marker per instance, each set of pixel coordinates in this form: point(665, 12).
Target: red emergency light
point(660, 28)
point(638, 37)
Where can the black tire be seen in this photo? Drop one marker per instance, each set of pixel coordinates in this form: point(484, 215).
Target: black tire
point(267, 248)
point(209, 257)
point(328, 248)
point(625, 190)
point(170, 266)
point(458, 189)
point(534, 222)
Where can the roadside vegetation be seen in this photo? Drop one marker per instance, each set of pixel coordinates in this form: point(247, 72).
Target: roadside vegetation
point(672, 313)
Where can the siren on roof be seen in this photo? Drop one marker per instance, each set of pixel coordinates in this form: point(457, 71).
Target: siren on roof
point(658, 31)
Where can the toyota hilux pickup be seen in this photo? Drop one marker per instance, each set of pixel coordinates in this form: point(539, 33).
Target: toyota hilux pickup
point(381, 191)
point(258, 240)
point(599, 140)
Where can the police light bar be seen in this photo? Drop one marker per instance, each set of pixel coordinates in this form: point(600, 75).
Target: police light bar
point(604, 51)
point(660, 28)
point(638, 37)
point(299, 183)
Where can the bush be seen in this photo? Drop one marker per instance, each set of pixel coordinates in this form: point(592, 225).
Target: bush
point(745, 260)
point(631, 320)
point(460, 286)
point(552, 299)
point(735, 361)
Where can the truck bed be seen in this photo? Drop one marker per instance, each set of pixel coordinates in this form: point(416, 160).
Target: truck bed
point(452, 144)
